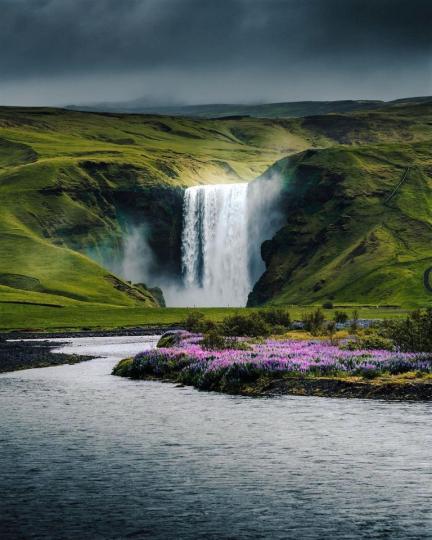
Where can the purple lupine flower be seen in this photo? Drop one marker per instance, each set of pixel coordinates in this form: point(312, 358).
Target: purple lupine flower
point(278, 356)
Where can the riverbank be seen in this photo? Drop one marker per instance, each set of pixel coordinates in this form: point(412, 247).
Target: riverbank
point(408, 387)
point(18, 355)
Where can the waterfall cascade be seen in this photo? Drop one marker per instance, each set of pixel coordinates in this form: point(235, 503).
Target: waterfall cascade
point(215, 245)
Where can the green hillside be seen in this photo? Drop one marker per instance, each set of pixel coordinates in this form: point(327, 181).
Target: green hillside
point(71, 184)
point(358, 227)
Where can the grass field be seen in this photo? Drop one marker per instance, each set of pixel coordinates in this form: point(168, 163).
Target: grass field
point(78, 317)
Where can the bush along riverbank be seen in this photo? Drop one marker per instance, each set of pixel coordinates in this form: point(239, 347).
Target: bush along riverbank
point(353, 366)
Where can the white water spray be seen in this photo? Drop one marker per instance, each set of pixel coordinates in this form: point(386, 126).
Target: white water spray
point(215, 245)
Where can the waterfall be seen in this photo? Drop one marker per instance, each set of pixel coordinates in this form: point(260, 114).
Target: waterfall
point(215, 263)
point(224, 226)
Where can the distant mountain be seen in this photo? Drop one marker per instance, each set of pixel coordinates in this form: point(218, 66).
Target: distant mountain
point(294, 109)
point(268, 110)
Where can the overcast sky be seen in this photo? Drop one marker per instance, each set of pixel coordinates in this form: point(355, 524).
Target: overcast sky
point(207, 51)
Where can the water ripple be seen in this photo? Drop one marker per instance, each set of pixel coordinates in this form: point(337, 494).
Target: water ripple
point(85, 455)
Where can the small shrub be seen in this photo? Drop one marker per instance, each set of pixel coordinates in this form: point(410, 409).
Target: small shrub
point(340, 317)
point(369, 342)
point(214, 340)
point(414, 334)
point(276, 317)
point(327, 305)
point(313, 322)
point(278, 330)
point(169, 339)
point(195, 321)
point(331, 330)
point(354, 321)
point(123, 368)
point(252, 325)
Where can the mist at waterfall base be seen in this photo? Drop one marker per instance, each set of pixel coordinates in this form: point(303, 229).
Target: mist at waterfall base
point(134, 259)
point(224, 226)
point(265, 218)
point(138, 259)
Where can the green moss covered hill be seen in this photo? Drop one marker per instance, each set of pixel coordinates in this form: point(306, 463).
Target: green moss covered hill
point(358, 215)
point(70, 182)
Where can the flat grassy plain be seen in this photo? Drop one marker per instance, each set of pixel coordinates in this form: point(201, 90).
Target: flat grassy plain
point(33, 317)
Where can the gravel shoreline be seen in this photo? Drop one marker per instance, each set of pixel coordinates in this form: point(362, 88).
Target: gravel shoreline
point(17, 355)
point(136, 331)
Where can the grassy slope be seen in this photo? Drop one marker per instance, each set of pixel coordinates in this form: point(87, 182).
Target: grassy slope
point(342, 241)
point(56, 166)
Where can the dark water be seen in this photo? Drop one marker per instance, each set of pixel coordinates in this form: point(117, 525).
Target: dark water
point(85, 455)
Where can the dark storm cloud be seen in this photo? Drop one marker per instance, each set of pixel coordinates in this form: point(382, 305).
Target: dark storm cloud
point(64, 38)
point(59, 36)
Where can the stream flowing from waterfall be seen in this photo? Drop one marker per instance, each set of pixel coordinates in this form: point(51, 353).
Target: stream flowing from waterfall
point(85, 455)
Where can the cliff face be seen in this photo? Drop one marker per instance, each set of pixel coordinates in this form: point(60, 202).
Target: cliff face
point(358, 228)
point(153, 210)
point(80, 222)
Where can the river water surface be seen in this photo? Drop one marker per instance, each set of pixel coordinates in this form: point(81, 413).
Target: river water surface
point(85, 455)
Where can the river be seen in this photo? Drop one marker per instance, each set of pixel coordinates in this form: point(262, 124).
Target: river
point(85, 455)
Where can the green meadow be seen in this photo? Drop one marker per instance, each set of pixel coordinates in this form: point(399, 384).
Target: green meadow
point(33, 317)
